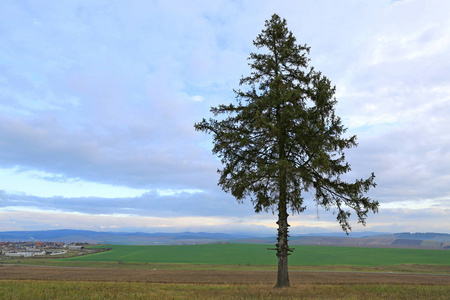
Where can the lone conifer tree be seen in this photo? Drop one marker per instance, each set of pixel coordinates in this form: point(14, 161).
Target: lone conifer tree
point(282, 139)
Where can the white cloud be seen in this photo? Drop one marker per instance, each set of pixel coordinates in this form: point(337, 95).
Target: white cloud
point(197, 98)
point(170, 192)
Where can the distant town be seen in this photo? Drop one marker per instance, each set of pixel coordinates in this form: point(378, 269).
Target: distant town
point(31, 249)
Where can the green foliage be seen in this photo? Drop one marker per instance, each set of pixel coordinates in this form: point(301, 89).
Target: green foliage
point(282, 137)
point(257, 254)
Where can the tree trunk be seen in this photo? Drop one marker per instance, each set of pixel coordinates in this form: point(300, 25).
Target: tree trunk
point(282, 246)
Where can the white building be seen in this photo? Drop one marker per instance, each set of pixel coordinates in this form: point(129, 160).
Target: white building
point(24, 253)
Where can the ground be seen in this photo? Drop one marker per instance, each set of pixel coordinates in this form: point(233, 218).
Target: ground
point(20, 272)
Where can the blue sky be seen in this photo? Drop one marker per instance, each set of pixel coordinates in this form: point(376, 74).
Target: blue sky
point(98, 101)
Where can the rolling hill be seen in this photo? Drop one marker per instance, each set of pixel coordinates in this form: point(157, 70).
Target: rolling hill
point(368, 239)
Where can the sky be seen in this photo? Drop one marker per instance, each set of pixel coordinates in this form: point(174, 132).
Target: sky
point(98, 100)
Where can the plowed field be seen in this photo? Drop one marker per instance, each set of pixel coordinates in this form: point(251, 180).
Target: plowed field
point(18, 272)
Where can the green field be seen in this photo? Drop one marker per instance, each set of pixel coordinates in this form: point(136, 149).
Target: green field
point(257, 254)
point(210, 271)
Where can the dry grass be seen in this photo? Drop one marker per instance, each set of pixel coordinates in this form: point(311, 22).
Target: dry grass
point(19, 272)
point(131, 290)
point(40, 282)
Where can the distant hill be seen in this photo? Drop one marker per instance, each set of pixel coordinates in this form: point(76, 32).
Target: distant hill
point(366, 239)
point(118, 238)
point(428, 236)
point(362, 239)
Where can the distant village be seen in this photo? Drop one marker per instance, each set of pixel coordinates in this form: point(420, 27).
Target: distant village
point(30, 249)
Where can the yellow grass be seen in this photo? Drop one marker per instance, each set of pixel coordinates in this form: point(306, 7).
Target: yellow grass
point(34, 289)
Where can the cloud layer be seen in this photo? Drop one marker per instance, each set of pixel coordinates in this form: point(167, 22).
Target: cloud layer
point(100, 98)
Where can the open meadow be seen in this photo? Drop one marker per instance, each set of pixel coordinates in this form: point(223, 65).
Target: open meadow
point(230, 271)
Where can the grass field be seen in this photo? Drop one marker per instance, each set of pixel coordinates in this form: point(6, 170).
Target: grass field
point(256, 254)
point(126, 290)
point(38, 282)
point(230, 271)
